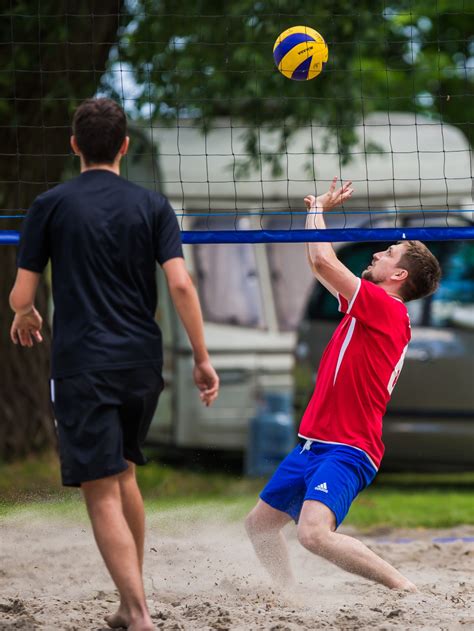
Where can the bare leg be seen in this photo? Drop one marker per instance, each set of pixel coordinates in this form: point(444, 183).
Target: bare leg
point(117, 546)
point(133, 509)
point(263, 525)
point(134, 513)
point(316, 532)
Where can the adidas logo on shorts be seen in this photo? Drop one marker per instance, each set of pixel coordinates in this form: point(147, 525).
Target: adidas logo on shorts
point(322, 487)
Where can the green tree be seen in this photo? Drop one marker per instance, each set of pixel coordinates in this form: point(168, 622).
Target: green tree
point(206, 58)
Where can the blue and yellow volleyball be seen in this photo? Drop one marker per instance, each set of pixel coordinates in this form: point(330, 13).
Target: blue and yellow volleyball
point(300, 53)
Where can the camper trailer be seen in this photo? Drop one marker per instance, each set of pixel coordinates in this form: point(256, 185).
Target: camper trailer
point(253, 295)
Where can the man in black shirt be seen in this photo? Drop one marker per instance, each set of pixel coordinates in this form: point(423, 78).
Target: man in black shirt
point(104, 236)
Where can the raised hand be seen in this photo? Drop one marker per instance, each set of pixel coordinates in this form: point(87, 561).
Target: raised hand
point(332, 198)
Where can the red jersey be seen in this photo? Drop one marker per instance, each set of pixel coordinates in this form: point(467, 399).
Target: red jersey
point(358, 371)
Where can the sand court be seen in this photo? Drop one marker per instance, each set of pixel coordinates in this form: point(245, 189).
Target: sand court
point(201, 574)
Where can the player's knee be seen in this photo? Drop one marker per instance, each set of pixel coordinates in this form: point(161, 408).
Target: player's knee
point(313, 537)
point(128, 477)
point(102, 495)
point(255, 525)
point(251, 524)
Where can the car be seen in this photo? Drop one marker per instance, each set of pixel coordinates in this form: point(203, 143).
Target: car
point(429, 423)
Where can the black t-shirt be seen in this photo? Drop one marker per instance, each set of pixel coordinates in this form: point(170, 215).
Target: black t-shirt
point(104, 236)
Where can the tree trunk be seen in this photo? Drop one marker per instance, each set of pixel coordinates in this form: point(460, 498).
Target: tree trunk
point(45, 83)
point(25, 416)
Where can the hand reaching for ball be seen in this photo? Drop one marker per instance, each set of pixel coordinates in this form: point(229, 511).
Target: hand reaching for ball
point(332, 198)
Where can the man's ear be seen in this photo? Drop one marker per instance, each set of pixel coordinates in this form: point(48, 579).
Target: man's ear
point(74, 146)
point(125, 144)
point(399, 274)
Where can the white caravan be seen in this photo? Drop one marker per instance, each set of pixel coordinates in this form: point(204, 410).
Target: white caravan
point(253, 294)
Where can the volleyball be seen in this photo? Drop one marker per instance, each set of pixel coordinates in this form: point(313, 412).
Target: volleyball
point(300, 53)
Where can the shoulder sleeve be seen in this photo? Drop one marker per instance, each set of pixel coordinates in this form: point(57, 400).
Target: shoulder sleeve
point(34, 248)
point(167, 234)
point(373, 306)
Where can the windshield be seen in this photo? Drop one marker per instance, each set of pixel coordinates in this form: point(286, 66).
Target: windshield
point(453, 303)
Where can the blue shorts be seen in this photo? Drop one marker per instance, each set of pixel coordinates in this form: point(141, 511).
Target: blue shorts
point(331, 474)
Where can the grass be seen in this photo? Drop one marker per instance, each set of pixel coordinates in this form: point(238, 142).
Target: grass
point(401, 500)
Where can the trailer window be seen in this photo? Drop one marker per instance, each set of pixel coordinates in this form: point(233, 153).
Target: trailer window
point(229, 284)
point(291, 280)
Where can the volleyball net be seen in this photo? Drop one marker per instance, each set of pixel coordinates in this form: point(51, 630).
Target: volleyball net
point(233, 143)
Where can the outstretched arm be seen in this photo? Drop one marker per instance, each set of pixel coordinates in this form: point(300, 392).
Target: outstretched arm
point(327, 268)
point(186, 301)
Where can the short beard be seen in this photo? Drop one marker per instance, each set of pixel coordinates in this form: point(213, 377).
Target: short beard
point(368, 275)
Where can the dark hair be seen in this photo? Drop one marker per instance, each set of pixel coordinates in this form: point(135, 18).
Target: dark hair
point(424, 271)
point(100, 127)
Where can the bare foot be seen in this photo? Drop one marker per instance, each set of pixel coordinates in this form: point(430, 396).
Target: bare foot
point(123, 620)
point(407, 586)
point(142, 625)
point(117, 620)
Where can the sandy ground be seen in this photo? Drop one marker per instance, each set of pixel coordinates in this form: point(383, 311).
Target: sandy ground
point(201, 574)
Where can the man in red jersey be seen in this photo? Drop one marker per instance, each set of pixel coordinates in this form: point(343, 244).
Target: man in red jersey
point(341, 429)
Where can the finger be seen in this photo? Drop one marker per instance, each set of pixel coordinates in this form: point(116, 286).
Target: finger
point(25, 337)
point(339, 192)
point(204, 399)
point(209, 394)
point(342, 189)
point(29, 339)
point(345, 189)
point(37, 335)
point(14, 335)
point(309, 200)
point(209, 400)
point(214, 392)
point(333, 184)
point(214, 385)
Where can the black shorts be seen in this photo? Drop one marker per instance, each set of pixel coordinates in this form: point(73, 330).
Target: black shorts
point(102, 420)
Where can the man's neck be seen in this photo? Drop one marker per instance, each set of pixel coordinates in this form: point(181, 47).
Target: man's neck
point(391, 292)
point(113, 168)
point(394, 295)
